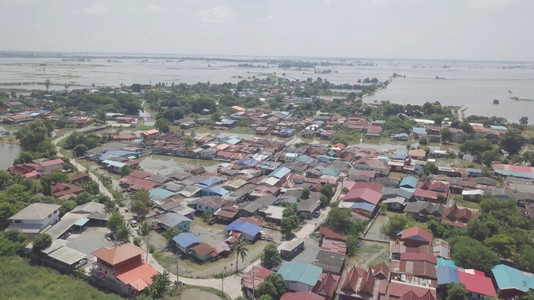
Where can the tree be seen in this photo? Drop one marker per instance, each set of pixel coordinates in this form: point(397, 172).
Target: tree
point(328, 191)
point(430, 168)
point(47, 84)
point(523, 121)
point(271, 256)
point(477, 230)
point(115, 222)
point(240, 250)
point(126, 170)
point(41, 242)
point(469, 253)
point(206, 216)
point(141, 203)
point(446, 135)
point(511, 142)
point(524, 258)
point(456, 291)
point(489, 156)
point(79, 150)
point(160, 284)
point(352, 244)
point(288, 224)
point(163, 125)
point(503, 244)
point(273, 285)
point(305, 193)
point(395, 224)
point(139, 208)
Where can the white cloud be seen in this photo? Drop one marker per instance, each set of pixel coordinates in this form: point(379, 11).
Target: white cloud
point(217, 14)
point(96, 9)
point(152, 8)
point(488, 4)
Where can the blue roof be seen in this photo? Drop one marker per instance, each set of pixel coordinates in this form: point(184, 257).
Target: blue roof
point(409, 181)
point(305, 159)
point(115, 153)
point(400, 154)
point(299, 272)
point(186, 239)
point(419, 130)
point(445, 262)
point(330, 171)
point(233, 141)
point(81, 221)
point(510, 278)
point(248, 162)
point(113, 163)
point(217, 190)
point(208, 182)
point(364, 205)
point(471, 170)
point(280, 172)
point(447, 275)
point(157, 194)
point(244, 227)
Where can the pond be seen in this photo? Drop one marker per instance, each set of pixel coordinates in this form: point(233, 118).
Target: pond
point(9, 152)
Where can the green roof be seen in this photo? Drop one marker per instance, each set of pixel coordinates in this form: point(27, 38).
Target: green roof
point(299, 272)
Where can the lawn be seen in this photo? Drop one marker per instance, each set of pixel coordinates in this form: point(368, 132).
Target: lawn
point(22, 281)
point(369, 255)
point(468, 204)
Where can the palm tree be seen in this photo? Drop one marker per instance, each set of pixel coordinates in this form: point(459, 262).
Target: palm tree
point(144, 231)
point(240, 251)
point(160, 284)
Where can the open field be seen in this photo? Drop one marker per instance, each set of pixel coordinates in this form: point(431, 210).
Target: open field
point(23, 281)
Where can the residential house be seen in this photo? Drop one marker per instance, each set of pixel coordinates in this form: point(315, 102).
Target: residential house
point(459, 216)
point(422, 210)
point(226, 214)
point(66, 190)
point(511, 282)
point(380, 167)
point(202, 252)
point(186, 240)
point(301, 296)
point(210, 203)
point(476, 283)
point(123, 267)
point(330, 262)
point(418, 154)
point(326, 286)
point(248, 231)
point(174, 220)
point(290, 249)
point(300, 277)
point(49, 166)
point(252, 279)
point(327, 134)
point(399, 290)
point(416, 236)
point(359, 283)
point(35, 217)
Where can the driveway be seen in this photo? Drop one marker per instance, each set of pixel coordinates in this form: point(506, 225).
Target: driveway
point(89, 240)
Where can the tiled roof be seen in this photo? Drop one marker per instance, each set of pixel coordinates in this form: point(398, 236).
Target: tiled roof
point(118, 254)
point(36, 211)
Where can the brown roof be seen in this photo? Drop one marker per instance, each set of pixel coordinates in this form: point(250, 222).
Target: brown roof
point(118, 254)
point(202, 249)
point(331, 234)
point(326, 285)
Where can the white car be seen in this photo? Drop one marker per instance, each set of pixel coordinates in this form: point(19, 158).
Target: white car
point(133, 223)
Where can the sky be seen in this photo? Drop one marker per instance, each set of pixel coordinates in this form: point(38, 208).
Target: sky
point(497, 30)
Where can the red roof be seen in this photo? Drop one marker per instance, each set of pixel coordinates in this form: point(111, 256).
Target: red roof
point(334, 246)
point(414, 256)
point(363, 194)
point(331, 234)
point(140, 174)
point(477, 282)
point(52, 162)
point(118, 254)
point(326, 285)
point(252, 281)
point(377, 186)
point(417, 233)
point(427, 194)
point(398, 290)
point(138, 276)
point(202, 249)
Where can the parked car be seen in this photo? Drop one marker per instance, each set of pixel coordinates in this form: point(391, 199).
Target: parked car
point(133, 223)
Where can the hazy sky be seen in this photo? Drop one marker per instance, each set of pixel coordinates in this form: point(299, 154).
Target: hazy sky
point(442, 29)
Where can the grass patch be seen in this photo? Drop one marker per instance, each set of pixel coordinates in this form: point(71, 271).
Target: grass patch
point(22, 281)
point(365, 256)
point(468, 204)
point(241, 130)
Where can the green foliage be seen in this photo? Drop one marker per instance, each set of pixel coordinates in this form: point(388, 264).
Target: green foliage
point(305, 193)
point(524, 259)
point(430, 168)
point(476, 147)
point(477, 230)
point(12, 242)
point(340, 219)
point(32, 135)
point(502, 244)
point(160, 285)
point(126, 170)
point(352, 244)
point(347, 136)
point(423, 141)
point(116, 222)
point(41, 242)
point(22, 281)
point(140, 203)
point(512, 141)
point(456, 291)
point(469, 253)
point(170, 233)
point(396, 224)
point(395, 124)
point(206, 216)
point(273, 285)
point(446, 135)
point(163, 125)
point(271, 256)
point(78, 139)
point(240, 250)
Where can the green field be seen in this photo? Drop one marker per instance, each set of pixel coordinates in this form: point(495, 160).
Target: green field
point(19, 280)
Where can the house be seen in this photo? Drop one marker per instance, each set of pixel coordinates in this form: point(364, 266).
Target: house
point(476, 283)
point(80, 178)
point(84, 121)
point(330, 262)
point(252, 279)
point(421, 210)
point(359, 283)
point(459, 216)
point(416, 236)
point(27, 170)
point(418, 154)
point(202, 251)
point(123, 267)
point(401, 137)
point(226, 214)
point(149, 135)
point(301, 296)
point(290, 249)
point(512, 282)
point(399, 290)
point(248, 231)
point(300, 277)
point(209, 203)
point(66, 190)
point(380, 167)
point(327, 134)
point(20, 118)
point(35, 217)
point(326, 286)
point(174, 220)
point(49, 166)
point(334, 246)
point(327, 233)
point(186, 240)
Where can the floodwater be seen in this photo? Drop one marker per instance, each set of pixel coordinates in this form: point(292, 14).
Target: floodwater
point(8, 153)
point(471, 84)
point(162, 164)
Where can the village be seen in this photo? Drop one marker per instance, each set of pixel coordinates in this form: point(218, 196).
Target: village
point(322, 188)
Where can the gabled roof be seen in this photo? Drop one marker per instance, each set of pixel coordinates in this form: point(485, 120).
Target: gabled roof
point(301, 296)
point(507, 277)
point(409, 181)
point(118, 254)
point(171, 219)
point(299, 272)
point(475, 281)
point(186, 239)
point(244, 227)
point(417, 233)
point(202, 249)
point(52, 162)
point(327, 284)
point(36, 211)
point(363, 194)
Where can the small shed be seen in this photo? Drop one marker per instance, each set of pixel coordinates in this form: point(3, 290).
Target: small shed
point(290, 249)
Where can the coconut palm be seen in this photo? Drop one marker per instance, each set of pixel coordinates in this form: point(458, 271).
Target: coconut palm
point(160, 285)
point(240, 250)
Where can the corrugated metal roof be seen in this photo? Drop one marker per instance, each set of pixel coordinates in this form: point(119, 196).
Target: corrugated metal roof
point(298, 272)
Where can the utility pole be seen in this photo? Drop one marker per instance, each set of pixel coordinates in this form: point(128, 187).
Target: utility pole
point(253, 284)
point(222, 281)
point(177, 274)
